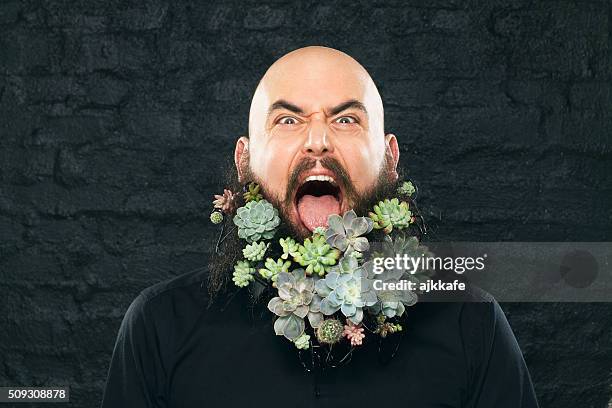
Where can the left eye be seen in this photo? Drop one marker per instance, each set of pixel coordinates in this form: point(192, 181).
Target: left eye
point(346, 120)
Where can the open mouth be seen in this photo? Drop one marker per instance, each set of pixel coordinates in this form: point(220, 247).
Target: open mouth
point(316, 198)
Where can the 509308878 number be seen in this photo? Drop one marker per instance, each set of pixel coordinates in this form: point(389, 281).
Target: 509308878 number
point(34, 393)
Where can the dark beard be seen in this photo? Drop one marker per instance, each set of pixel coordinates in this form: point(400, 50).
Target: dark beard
point(230, 250)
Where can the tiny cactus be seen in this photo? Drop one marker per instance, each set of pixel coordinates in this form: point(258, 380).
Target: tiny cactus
point(330, 331)
point(216, 217)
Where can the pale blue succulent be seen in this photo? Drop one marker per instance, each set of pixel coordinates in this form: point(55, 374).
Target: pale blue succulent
point(393, 303)
point(257, 220)
point(402, 244)
point(348, 292)
point(296, 300)
point(347, 264)
point(345, 233)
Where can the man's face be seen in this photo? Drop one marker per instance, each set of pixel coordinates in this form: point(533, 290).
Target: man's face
point(317, 139)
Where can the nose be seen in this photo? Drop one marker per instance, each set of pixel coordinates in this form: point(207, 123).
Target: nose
point(317, 143)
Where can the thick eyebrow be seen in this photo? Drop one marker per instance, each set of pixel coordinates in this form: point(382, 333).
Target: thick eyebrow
point(283, 104)
point(352, 103)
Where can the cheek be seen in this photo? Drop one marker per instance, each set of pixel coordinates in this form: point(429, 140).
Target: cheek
point(363, 162)
point(271, 163)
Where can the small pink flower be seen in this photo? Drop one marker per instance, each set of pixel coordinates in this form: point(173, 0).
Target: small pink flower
point(225, 202)
point(354, 333)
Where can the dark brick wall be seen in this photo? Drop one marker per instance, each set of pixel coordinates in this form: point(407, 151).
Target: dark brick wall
point(116, 115)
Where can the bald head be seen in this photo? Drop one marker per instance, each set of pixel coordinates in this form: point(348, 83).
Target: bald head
point(315, 74)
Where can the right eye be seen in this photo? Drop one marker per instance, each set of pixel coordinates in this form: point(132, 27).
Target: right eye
point(287, 120)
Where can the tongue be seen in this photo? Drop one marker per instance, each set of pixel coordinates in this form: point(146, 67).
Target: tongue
point(314, 210)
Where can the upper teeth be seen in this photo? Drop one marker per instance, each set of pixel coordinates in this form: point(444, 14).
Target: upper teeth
point(320, 178)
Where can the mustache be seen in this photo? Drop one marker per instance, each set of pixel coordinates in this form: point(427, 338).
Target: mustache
point(341, 176)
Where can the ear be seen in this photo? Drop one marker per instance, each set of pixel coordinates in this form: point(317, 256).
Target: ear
point(392, 152)
point(241, 153)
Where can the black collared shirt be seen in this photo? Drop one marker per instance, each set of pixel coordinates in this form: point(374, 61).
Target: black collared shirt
point(173, 350)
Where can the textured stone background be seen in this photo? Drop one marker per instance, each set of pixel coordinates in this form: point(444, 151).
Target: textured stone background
point(115, 116)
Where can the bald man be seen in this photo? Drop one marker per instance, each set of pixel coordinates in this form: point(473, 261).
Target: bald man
point(317, 146)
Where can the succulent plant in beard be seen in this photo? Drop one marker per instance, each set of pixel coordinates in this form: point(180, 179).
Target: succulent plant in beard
point(216, 217)
point(317, 255)
point(255, 252)
point(392, 303)
point(406, 189)
point(390, 214)
point(257, 220)
point(243, 274)
point(345, 233)
point(225, 202)
point(296, 300)
point(349, 290)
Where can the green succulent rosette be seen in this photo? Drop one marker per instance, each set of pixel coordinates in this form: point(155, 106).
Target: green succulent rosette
point(257, 220)
point(317, 255)
point(243, 274)
point(272, 268)
point(406, 189)
point(255, 252)
point(390, 214)
point(302, 342)
point(290, 247)
point(384, 328)
point(253, 193)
